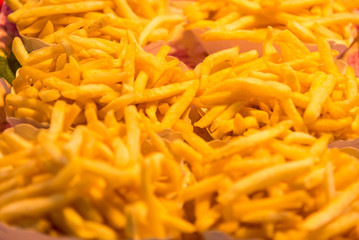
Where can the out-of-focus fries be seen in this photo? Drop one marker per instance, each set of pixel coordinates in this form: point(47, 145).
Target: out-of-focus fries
point(114, 179)
point(81, 182)
point(110, 74)
point(239, 96)
point(224, 20)
point(248, 188)
point(51, 21)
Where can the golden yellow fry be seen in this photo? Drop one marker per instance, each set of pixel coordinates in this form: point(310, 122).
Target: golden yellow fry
point(300, 100)
point(35, 206)
point(87, 91)
point(30, 114)
point(326, 56)
point(116, 33)
point(156, 22)
point(303, 33)
point(298, 4)
point(183, 149)
point(291, 47)
point(101, 230)
point(117, 104)
point(329, 181)
point(93, 43)
point(318, 99)
point(18, 101)
point(103, 76)
point(129, 68)
point(241, 143)
point(291, 111)
point(19, 50)
point(48, 29)
point(264, 76)
point(177, 109)
point(246, 5)
point(16, 141)
point(212, 60)
point(227, 114)
point(11, 183)
point(113, 215)
point(254, 87)
point(210, 116)
point(65, 19)
point(295, 199)
point(205, 186)
point(77, 7)
point(60, 34)
point(14, 4)
point(124, 10)
point(163, 92)
point(299, 137)
point(264, 178)
point(267, 216)
point(57, 119)
point(133, 132)
point(290, 151)
point(339, 226)
point(328, 125)
point(193, 139)
point(140, 82)
point(337, 18)
point(69, 226)
point(128, 176)
point(178, 223)
point(44, 54)
point(74, 73)
point(57, 83)
point(333, 209)
point(249, 165)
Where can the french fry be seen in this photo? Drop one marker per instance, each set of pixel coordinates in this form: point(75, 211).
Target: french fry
point(242, 143)
point(19, 50)
point(157, 21)
point(42, 11)
point(334, 208)
point(256, 181)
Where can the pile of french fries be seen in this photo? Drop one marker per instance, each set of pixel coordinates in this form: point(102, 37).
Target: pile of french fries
point(103, 180)
point(148, 21)
point(107, 74)
point(271, 184)
point(248, 19)
point(122, 153)
point(241, 92)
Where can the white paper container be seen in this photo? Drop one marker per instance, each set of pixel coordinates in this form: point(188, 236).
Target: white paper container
point(245, 45)
point(32, 44)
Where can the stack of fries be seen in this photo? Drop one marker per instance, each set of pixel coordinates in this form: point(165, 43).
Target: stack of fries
point(104, 180)
point(148, 21)
point(102, 168)
point(242, 92)
point(107, 74)
point(248, 19)
point(272, 184)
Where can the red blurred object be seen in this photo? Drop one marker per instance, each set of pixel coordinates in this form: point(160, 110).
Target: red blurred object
point(1, 1)
point(4, 126)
